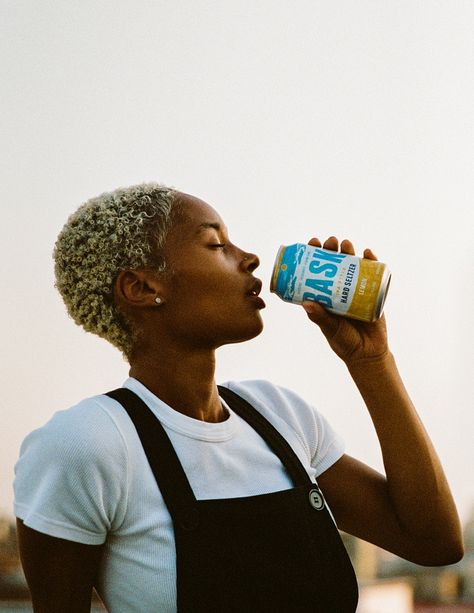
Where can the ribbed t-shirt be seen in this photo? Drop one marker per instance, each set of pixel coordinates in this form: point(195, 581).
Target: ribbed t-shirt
point(84, 477)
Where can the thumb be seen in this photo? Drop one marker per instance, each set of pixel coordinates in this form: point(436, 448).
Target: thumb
point(316, 312)
point(320, 316)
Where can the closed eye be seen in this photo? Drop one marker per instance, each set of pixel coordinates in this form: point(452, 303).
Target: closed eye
point(218, 246)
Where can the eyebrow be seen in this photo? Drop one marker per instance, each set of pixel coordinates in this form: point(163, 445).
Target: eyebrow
point(209, 224)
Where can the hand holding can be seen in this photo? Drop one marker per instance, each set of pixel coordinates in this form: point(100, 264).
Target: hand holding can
point(344, 284)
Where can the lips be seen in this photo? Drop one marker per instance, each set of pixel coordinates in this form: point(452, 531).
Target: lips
point(255, 288)
point(253, 294)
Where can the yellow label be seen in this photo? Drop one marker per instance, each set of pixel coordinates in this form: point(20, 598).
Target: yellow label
point(366, 293)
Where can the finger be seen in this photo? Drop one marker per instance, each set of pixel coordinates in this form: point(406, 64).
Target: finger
point(314, 242)
point(369, 254)
point(331, 243)
point(347, 247)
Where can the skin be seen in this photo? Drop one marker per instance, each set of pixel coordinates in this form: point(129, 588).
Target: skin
point(409, 510)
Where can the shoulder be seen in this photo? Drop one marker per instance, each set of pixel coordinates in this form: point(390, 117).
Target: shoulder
point(266, 395)
point(82, 447)
point(78, 430)
point(280, 405)
point(287, 410)
point(72, 476)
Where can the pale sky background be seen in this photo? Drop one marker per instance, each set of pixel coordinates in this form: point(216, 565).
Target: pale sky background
point(293, 119)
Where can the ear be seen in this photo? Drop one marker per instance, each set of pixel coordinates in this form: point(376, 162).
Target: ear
point(137, 288)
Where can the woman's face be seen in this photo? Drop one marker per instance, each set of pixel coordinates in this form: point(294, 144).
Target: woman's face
point(210, 296)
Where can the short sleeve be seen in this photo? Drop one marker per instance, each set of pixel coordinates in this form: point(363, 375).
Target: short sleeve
point(330, 446)
point(71, 477)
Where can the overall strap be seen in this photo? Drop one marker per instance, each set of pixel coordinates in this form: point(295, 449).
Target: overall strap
point(270, 435)
point(164, 463)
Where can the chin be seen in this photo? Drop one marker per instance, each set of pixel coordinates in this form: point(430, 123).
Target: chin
point(250, 333)
point(241, 336)
point(255, 334)
point(257, 327)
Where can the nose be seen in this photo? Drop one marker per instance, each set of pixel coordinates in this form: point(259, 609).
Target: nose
point(250, 262)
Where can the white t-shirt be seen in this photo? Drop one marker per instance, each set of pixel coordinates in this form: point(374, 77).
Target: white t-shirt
point(84, 477)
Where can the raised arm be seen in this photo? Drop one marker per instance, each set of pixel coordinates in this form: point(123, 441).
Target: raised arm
point(59, 573)
point(409, 510)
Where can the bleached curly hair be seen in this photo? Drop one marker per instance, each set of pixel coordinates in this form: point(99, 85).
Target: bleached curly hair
point(116, 231)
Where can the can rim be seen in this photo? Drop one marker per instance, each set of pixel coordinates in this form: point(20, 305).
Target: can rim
point(383, 290)
point(276, 267)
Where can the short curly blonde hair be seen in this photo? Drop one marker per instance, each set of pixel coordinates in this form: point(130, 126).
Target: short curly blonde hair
point(116, 231)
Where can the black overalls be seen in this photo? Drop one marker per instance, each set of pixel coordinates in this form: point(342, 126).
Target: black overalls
point(279, 552)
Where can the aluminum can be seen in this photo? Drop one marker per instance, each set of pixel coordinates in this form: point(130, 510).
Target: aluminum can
point(344, 284)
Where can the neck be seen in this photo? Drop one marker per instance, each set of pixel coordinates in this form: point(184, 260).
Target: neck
point(184, 381)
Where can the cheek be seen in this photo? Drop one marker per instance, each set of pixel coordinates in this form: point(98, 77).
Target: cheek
point(201, 284)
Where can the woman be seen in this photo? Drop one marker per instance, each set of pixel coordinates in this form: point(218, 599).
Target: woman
point(172, 493)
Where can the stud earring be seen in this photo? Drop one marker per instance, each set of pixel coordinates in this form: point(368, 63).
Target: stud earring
point(158, 300)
